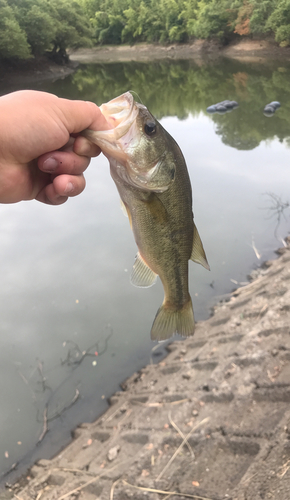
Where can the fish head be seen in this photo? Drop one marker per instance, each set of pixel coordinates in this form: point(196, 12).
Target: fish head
point(138, 148)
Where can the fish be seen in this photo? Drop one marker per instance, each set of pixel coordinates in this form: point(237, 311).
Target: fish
point(151, 176)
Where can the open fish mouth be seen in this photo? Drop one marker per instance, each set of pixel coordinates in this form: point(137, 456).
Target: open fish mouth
point(121, 114)
point(117, 111)
point(134, 156)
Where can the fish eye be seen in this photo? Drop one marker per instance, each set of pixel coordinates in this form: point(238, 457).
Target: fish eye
point(150, 128)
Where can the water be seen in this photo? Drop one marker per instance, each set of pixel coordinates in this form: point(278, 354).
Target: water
point(72, 325)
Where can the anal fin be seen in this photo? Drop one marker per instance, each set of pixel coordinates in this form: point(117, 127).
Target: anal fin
point(198, 253)
point(142, 275)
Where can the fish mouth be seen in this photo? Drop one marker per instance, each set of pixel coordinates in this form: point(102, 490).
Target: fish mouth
point(118, 111)
point(121, 114)
point(119, 144)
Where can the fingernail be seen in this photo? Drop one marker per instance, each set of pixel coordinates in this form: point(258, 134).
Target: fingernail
point(50, 165)
point(69, 188)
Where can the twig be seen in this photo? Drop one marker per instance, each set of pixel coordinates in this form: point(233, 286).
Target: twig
point(285, 467)
point(75, 352)
point(81, 471)
point(13, 467)
point(45, 428)
point(113, 489)
point(278, 206)
point(59, 412)
point(43, 378)
point(168, 493)
point(257, 253)
point(244, 481)
point(253, 284)
point(181, 446)
point(26, 383)
point(157, 403)
point(23, 378)
point(178, 401)
point(39, 494)
point(79, 488)
point(181, 434)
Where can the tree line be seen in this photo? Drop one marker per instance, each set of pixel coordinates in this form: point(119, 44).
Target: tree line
point(35, 27)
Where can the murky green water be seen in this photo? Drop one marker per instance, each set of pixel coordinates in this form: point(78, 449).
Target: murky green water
point(72, 325)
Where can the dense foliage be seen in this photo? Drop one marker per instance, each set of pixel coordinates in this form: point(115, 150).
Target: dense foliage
point(127, 21)
point(35, 27)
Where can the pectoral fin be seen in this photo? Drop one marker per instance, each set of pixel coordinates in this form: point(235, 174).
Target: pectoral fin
point(142, 275)
point(198, 253)
point(126, 211)
point(123, 208)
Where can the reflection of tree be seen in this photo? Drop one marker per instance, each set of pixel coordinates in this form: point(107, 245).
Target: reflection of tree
point(276, 208)
point(177, 88)
point(232, 137)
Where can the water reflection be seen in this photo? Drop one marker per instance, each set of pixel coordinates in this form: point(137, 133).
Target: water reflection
point(177, 88)
point(277, 209)
point(65, 270)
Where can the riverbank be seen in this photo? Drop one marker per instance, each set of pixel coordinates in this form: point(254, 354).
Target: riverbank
point(21, 74)
point(211, 421)
point(245, 50)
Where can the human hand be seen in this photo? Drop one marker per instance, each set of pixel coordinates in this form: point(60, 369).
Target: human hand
point(42, 156)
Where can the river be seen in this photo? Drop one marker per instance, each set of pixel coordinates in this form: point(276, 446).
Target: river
point(72, 326)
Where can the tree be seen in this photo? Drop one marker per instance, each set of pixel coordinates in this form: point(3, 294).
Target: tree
point(242, 23)
point(107, 19)
point(279, 22)
point(262, 9)
point(72, 28)
point(189, 14)
point(213, 19)
point(35, 18)
point(13, 39)
point(51, 26)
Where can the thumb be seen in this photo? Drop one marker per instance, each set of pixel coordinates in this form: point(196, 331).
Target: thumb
point(79, 115)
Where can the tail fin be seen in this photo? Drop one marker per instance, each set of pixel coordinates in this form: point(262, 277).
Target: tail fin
point(167, 322)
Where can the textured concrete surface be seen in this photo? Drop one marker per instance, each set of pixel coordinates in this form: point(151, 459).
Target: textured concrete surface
point(211, 421)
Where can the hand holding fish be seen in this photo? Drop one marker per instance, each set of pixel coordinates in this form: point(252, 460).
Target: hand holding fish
point(42, 155)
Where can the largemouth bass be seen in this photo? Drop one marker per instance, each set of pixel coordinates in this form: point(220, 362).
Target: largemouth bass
point(150, 173)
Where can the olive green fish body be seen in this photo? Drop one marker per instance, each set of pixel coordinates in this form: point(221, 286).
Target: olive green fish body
point(154, 186)
point(163, 228)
